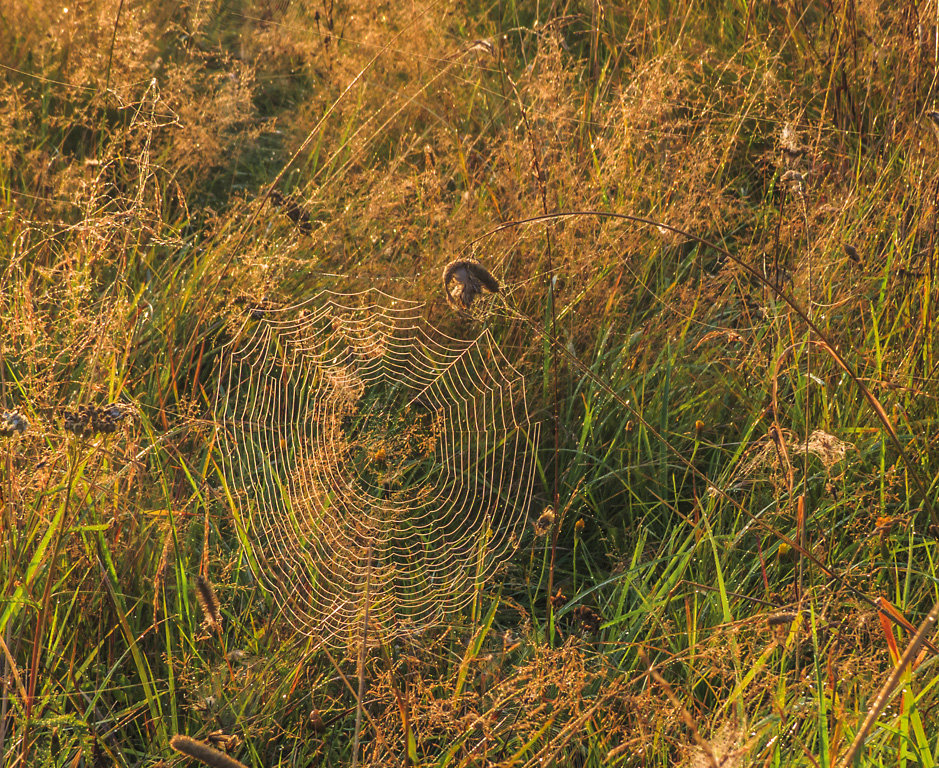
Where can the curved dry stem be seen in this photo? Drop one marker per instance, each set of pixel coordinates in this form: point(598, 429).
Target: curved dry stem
point(202, 752)
point(883, 697)
point(822, 340)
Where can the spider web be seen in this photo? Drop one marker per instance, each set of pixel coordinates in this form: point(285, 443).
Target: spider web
point(374, 461)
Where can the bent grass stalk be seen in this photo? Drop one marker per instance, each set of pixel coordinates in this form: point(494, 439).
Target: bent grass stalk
point(202, 752)
point(821, 340)
point(883, 697)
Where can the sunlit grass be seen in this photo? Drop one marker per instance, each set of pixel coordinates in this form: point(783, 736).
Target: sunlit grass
point(136, 231)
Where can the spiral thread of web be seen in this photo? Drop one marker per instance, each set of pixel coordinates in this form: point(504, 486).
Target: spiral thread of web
point(367, 450)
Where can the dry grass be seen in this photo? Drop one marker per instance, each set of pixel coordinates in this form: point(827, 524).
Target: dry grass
point(138, 145)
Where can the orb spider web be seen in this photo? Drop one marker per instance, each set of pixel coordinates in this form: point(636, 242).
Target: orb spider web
point(378, 467)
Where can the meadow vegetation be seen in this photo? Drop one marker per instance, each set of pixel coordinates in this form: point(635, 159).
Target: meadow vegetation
point(744, 473)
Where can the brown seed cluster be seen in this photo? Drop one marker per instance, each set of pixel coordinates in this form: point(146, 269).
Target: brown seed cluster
point(588, 618)
point(87, 420)
point(12, 422)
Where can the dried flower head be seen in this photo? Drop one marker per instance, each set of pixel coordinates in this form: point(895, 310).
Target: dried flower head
point(789, 139)
point(827, 447)
point(589, 619)
point(852, 253)
point(727, 749)
point(464, 280)
point(510, 640)
point(544, 522)
point(795, 181)
point(88, 420)
point(226, 741)
point(12, 421)
point(778, 619)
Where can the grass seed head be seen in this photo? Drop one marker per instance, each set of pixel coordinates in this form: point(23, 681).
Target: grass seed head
point(778, 619)
point(202, 752)
point(209, 603)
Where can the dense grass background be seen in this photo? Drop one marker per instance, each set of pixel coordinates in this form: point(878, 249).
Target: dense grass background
point(732, 510)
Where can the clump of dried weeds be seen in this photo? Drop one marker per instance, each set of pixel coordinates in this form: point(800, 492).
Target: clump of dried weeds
point(139, 149)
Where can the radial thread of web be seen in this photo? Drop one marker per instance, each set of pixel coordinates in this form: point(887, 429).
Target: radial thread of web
point(369, 453)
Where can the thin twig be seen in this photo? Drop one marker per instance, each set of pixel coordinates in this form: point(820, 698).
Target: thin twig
point(922, 635)
point(703, 744)
point(117, 18)
point(361, 665)
point(555, 400)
